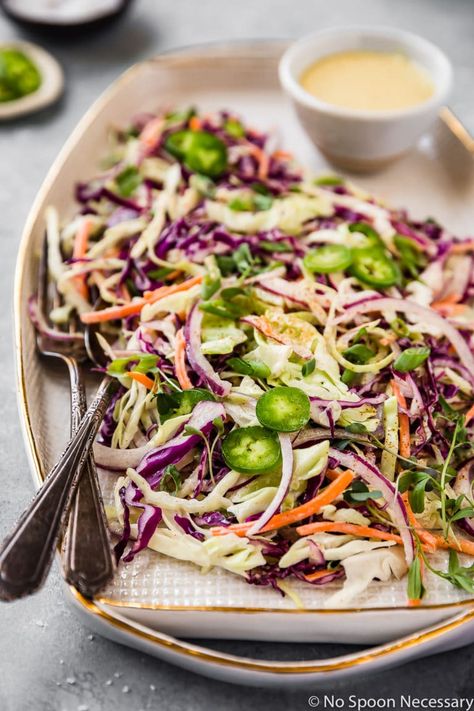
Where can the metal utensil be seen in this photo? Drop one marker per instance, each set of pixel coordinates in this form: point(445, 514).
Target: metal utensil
point(26, 554)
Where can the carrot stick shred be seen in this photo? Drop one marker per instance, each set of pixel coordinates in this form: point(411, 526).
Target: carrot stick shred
point(262, 160)
point(299, 513)
point(459, 544)
point(423, 534)
point(143, 379)
point(180, 361)
point(462, 247)
point(134, 307)
point(150, 135)
point(79, 250)
point(350, 528)
point(469, 415)
point(195, 123)
point(403, 421)
point(319, 574)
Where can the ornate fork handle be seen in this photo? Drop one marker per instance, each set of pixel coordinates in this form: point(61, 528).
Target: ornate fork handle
point(87, 557)
point(26, 554)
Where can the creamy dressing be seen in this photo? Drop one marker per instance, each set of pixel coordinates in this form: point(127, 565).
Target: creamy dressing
point(371, 81)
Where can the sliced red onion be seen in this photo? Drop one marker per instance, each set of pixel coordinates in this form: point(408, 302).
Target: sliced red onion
point(201, 365)
point(284, 288)
point(42, 327)
point(426, 315)
point(464, 486)
point(171, 452)
point(286, 473)
point(374, 478)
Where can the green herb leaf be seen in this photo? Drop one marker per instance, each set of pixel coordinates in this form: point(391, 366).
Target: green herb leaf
point(171, 479)
point(219, 425)
point(461, 577)
point(211, 308)
point(232, 291)
point(359, 492)
point(410, 257)
point(180, 403)
point(190, 430)
point(358, 354)
point(416, 589)
point(308, 367)
point(348, 377)
point(144, 364)
point(234, 128)
point(254, 368)
point(226, 264)
point(280, 247)
point(357, 428)
point(243, 258)
point(209, 287)
point(411, 358)
point(128, 181)
point(159, 274)
point(329, 180)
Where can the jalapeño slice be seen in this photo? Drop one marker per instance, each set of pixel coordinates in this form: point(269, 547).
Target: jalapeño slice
point(373, 267)
point(179, 143)
point(371, 237)
point(327, 259)
point(201, 151)
point(284, 409)
point(251, 449)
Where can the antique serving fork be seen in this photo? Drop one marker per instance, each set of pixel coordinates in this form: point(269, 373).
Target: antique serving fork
point(26, 556)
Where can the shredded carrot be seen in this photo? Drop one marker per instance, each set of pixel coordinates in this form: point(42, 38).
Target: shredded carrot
point(469, 415)
point(195, 123)
point(299, 513)
point(81, 240)
point(462, 247)
point(403, 421)
point(319, 574)
point(262, 160)
point(414, 602)
point(134, 307)
point(423, 534)
point(180, 361)
point(172, 275)
point(143, 379)
point(286, 155)
point(150, 135)
point(349, 528)
point(459, 544)
point(78, 252)
point(332, 474)
point(449, 306)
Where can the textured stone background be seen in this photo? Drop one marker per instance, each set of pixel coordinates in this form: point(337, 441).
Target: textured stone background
point(48, 661)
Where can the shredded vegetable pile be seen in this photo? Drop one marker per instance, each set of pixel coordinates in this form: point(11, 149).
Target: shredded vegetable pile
point(296, 362)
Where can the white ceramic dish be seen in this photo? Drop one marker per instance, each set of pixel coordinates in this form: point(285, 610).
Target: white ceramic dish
point(352, 138)
point(50, 89)
point(156, 593)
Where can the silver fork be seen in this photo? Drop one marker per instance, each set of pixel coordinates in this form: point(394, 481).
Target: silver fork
point(26, 555)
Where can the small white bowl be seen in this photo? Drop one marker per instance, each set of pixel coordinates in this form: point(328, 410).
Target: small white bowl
point(351, 138)
point(50, 89)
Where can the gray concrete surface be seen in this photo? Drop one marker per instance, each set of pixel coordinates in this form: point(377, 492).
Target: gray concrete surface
point(48, 661)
